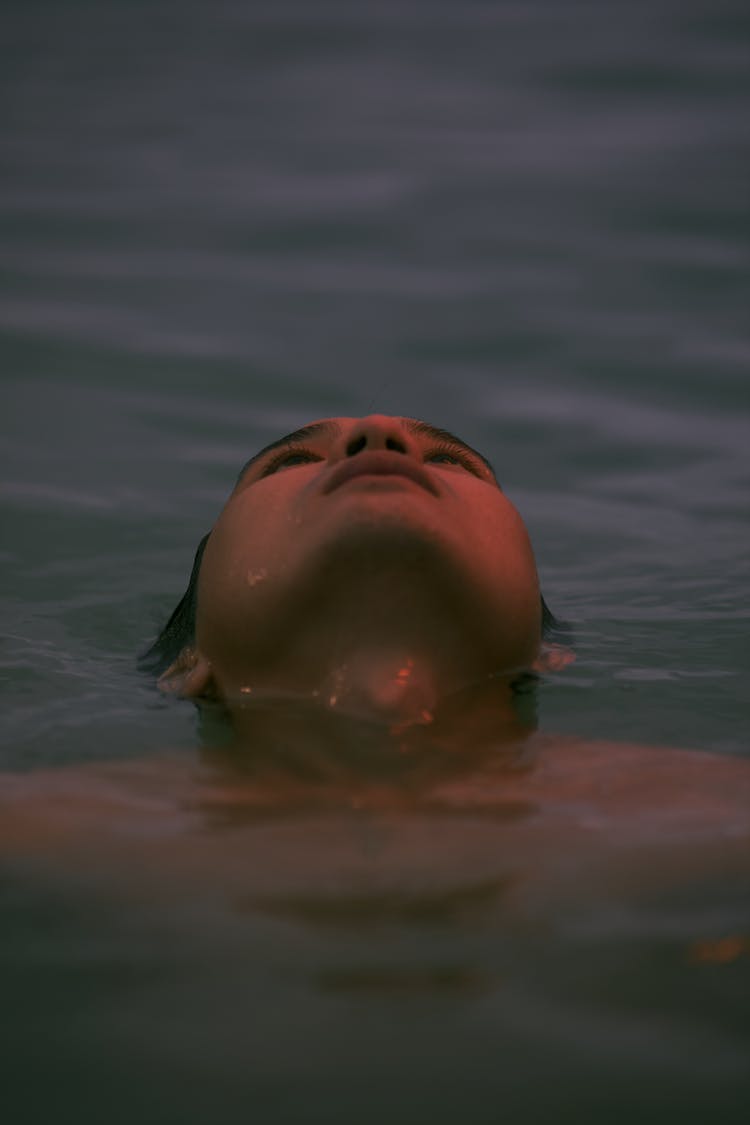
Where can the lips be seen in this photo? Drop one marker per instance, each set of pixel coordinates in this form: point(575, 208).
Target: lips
point(379, 464)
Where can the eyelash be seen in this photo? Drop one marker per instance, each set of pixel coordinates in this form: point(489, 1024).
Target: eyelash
point(456, 453)
point(287, 454)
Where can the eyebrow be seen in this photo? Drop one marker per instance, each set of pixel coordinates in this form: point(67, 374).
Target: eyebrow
point(424, 429)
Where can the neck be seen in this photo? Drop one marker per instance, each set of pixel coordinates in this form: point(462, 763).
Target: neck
point(394, 682)
point(391, 652)
point(397, 689)
point(375, 730)
point(398, 685)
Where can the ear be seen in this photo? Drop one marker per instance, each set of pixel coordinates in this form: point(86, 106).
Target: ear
point(190, 676)
point(553, 658)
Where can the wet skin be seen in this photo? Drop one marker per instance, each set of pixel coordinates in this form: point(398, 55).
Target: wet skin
point(373, 562)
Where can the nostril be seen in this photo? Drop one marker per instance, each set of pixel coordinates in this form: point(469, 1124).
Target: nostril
point(355, 445)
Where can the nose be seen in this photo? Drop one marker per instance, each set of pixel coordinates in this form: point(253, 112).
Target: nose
point(378, 432)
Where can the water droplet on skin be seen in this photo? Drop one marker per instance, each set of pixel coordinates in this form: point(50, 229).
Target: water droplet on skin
point(253, 577)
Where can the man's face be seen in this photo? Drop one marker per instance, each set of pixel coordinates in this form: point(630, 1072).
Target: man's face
point(364, 526)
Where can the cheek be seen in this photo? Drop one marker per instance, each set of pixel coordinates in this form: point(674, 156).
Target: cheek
point(504, 560)
point(510, 546)
point(256, 529)
point(241, 554)
point(498, 536)
point(251, 550)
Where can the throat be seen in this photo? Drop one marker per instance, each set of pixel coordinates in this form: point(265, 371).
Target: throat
point(395, 687)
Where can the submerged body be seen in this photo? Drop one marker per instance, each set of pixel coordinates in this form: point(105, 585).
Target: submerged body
point(338, 907)
point(333, 810)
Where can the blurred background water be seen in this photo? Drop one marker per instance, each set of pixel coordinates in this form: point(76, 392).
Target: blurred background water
point(525, 221)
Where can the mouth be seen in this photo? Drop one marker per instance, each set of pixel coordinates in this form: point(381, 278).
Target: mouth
point(379, 464)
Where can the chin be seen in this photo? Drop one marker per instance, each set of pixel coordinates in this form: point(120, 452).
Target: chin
point(391, 537)
point(387, 559)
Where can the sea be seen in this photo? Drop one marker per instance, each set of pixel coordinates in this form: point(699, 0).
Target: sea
point(526, 221)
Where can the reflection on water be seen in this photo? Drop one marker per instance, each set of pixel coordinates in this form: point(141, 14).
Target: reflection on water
point(452, 905)
point(587, 913)
point(386, 981)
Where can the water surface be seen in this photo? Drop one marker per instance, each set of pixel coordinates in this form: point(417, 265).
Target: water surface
point(526, 222)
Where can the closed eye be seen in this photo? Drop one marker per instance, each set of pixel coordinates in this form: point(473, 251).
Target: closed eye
point(290, 458)
point(453, 455)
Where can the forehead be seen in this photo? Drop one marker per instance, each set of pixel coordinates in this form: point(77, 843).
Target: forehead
point(328, 429)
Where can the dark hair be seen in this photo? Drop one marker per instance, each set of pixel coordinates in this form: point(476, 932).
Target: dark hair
point(179, 631)
point(554, 628)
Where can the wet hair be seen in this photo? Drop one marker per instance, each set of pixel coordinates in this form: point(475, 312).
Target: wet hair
point(179, 631)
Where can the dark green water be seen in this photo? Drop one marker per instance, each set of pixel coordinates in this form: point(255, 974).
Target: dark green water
point(525, 221)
